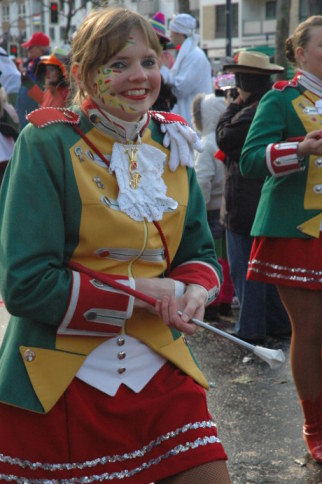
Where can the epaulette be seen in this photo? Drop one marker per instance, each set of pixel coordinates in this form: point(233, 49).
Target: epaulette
point(45, 116)
point(282, 85)
point(164, 117)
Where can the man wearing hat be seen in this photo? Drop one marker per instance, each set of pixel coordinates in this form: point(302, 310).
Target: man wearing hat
point(261, 311)
point(36, 46)
point(191, 72)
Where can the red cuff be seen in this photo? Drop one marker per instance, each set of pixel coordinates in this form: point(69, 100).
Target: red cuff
point(282, 159)
point(95, 308)
point(201, 273)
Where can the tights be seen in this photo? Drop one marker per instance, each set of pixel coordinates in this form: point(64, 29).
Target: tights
point(215, 472)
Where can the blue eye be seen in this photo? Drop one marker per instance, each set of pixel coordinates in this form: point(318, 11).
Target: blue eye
point(149, 62)
point(118, 65)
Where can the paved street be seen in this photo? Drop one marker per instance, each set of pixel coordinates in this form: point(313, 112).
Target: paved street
point(258, 416)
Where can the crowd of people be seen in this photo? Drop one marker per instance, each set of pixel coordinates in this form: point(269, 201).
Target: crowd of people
point(135, 198)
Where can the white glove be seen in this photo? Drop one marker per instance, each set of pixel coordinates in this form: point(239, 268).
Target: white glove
point(182, 141)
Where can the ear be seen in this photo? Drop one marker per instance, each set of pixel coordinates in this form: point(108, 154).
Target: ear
point(76, 73)
point(300, 54)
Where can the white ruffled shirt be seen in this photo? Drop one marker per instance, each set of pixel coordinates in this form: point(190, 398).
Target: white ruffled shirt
point(148, 200)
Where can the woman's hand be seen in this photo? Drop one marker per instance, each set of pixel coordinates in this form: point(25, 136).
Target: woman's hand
point(191, 305)
point(311, 145)
point(156, 287)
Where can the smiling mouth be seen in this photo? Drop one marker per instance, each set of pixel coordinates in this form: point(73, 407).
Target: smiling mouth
point(136, 93)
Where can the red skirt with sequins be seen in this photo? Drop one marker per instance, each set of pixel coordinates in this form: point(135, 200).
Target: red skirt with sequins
point(91, 437)
point(286, 261)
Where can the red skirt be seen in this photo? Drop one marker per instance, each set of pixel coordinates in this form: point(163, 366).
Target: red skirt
point(91, 437)
point(289, 262)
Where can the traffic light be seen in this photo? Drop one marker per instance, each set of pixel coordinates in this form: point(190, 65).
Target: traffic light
point(54, 12)
point(13, 49)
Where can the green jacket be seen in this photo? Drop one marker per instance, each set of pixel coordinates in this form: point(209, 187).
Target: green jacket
point(289, 206)
point(52, 212)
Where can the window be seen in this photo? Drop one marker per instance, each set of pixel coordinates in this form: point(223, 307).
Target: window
point(221, 21)
point(22, 9)
point(5, 13)
point(270, 10)
point(305, 10)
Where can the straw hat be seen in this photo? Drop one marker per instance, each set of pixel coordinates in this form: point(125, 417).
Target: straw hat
point(251, 62)
point(158, 23)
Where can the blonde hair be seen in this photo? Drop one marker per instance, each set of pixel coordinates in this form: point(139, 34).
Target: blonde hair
point(103, 33)
point(301, 36)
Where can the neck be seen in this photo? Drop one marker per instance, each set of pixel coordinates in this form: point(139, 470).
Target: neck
point(119, 129)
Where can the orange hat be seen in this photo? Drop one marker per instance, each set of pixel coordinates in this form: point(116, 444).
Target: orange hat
point(59, 57)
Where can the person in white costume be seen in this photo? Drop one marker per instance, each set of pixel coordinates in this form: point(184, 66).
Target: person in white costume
point(10, 76)
point(191, 72)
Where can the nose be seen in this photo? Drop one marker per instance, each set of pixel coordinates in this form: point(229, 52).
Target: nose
point(138, 73)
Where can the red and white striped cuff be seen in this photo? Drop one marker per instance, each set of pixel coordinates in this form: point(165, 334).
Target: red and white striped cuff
point(200, 273)
point(96, 309)
point(282, 159)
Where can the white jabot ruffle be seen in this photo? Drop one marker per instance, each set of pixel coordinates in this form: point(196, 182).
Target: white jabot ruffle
point(149, 200)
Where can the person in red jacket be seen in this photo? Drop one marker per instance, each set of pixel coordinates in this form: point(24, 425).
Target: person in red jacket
point(56, 80)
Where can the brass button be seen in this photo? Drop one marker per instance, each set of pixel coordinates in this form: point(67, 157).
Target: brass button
point(317, 189)
point(29, 355)
point(121, 370)
point(121, 355)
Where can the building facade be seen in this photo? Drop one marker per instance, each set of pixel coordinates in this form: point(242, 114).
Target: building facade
point(253, 21)
point(19, 19)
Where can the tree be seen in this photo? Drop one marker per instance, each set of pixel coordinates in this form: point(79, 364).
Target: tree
point(282, 33)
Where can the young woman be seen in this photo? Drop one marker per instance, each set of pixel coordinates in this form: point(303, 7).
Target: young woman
point(96, 383)
point(285, 144)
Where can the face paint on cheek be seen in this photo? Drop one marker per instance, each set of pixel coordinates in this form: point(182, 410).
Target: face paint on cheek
point(102, 88)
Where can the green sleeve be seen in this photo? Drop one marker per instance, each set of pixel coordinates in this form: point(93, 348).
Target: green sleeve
point(197, 243)
point(268, 126)
point(34, 280)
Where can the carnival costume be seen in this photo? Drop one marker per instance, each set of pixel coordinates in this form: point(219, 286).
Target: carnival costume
point(116, 389)
point(184, 76)
point(287, 226)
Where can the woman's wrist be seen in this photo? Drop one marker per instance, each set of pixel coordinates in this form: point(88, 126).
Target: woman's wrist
point(299, 151)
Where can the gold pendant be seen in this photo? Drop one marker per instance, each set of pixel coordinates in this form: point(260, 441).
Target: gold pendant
point(133, 165)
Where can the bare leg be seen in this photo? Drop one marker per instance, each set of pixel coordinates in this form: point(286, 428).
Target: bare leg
point(305, 311)
point(215, 472)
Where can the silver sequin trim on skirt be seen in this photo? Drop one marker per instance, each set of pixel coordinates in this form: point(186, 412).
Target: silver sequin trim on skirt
point(291, 273)
point(110, 459)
